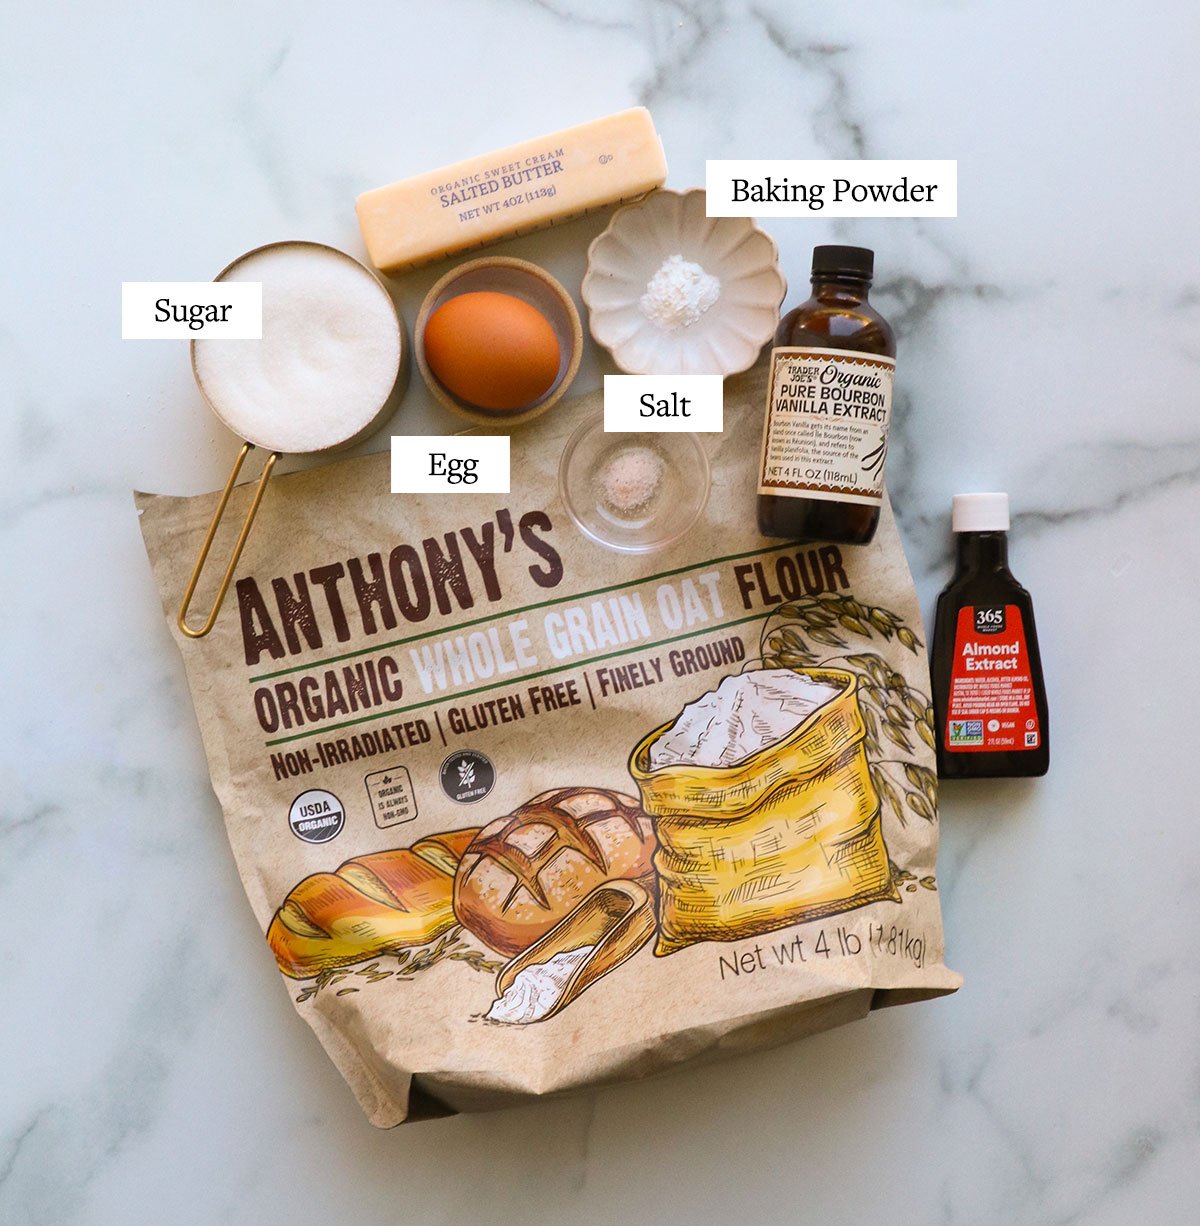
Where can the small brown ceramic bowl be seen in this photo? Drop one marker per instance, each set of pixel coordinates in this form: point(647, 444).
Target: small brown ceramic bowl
point(529, 283)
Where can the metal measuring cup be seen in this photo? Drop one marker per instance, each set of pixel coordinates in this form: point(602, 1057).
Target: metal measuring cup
point(339, 440)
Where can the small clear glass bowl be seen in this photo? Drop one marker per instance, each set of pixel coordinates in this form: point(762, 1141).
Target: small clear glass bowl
point(678, 498)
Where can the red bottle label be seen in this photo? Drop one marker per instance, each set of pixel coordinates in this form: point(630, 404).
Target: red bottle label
point(992, 707)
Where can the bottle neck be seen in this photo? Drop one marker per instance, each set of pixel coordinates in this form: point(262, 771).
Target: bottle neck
point(982, 551)
point(826, 288)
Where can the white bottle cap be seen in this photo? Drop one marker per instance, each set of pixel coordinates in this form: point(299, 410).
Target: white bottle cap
point(980, 513)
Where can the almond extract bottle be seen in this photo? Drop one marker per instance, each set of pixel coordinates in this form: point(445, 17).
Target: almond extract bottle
point(829, 402)
point(989, 697)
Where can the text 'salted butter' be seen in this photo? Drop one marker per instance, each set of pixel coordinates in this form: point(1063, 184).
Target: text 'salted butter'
point(525, 187)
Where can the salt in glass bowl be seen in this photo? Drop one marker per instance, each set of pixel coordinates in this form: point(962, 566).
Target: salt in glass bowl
point(673, 508)
point(729, 335)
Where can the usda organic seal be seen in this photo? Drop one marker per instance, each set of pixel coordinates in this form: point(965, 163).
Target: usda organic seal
point(316, 816)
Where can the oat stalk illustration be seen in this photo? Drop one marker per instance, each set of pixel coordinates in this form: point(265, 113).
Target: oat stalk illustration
point(893, 711)
point(403, 964)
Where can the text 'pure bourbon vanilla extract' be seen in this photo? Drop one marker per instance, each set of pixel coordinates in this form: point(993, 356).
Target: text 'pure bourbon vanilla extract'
point(989, 696)
point(829, 404)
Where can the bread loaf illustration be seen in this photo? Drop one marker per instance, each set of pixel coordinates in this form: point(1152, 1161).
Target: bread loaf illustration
point(370, 905)
point(525, 871)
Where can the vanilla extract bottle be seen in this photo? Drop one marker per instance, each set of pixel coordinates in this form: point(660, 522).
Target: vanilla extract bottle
point(829, 404)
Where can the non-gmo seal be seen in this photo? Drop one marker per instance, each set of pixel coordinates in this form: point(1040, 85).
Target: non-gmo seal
point(467, 776)
point(316, 816)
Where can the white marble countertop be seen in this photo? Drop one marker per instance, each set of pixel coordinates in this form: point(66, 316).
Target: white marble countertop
point(1050, 342)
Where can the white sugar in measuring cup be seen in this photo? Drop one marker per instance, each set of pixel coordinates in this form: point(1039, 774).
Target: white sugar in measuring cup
point(320, 379)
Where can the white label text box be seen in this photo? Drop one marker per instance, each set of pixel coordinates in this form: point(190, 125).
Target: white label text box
point(672, 404)
point(450, 464)
point(191, 310)
point(832, 188)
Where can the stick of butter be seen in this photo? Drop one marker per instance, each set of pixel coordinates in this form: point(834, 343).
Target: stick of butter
point(525, 187)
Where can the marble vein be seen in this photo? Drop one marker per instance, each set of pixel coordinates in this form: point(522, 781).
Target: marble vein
point(15, 510)
point(269, 154)
point(576, 18)
point(835, 125)
point(64, 1147)
point(17, 1143)
point(678, 32)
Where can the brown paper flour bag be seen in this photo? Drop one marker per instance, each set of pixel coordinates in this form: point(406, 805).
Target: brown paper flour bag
point(518, 814)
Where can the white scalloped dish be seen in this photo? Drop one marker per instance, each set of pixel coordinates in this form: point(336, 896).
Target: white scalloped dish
point(725, 337)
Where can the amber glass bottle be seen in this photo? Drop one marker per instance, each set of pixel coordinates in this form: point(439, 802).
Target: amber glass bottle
point(825, 437)
point(989, 696)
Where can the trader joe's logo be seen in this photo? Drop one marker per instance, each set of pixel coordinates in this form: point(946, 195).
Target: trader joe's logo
point(467, 776)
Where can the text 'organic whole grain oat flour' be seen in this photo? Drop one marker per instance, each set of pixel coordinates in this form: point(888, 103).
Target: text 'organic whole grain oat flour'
point(476, 769)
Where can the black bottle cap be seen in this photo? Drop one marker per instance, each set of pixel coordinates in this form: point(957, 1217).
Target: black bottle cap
point(836, 261)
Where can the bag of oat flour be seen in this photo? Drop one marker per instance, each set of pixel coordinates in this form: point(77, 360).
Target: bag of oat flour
point(519, 815)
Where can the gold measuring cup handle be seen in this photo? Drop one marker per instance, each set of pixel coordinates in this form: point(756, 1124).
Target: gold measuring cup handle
point(190, 631)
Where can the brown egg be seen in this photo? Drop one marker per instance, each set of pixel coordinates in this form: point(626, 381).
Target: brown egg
point(492, 350)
